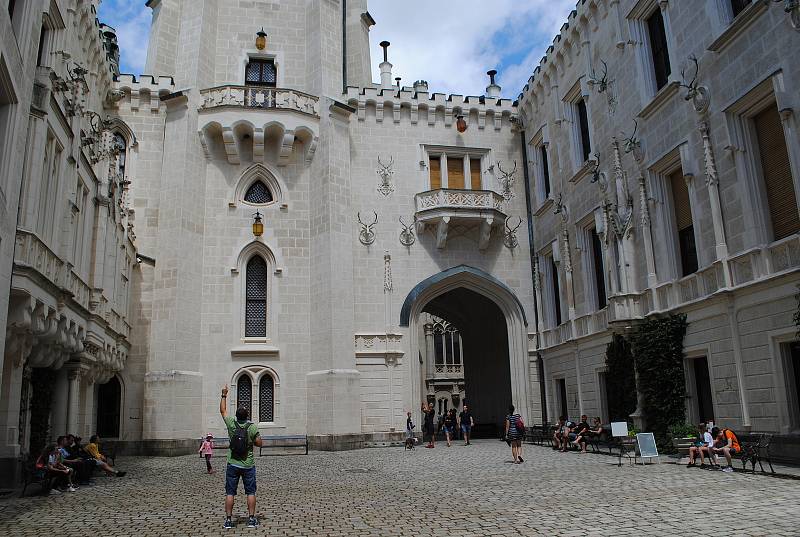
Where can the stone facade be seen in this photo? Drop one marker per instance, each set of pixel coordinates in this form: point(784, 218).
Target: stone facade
point(67, 242)
point(699, 123)
point(297, 226)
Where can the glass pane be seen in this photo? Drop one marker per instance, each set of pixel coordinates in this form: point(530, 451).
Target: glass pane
point(268, 73)
point(244, 393)
point(266, 399)
point(253, 72)
point(258, 193)
point(438, 345)
point(256, 298)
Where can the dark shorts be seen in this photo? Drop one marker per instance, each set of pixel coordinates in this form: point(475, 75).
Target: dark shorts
point(449, 430)
point(232, 475)
point(465, 428)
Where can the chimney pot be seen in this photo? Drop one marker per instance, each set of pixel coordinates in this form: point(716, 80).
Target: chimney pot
point(385, 46)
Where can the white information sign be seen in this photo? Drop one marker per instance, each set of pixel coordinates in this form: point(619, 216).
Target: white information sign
point(619, 428)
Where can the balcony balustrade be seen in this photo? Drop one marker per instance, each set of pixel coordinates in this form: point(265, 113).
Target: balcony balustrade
point(441, 208)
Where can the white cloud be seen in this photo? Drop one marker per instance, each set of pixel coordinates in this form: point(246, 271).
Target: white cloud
point(453, 47)
point(131, 20)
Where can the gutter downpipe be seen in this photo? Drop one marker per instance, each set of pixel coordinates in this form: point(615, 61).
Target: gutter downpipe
point(344, 47)
point(531, 250)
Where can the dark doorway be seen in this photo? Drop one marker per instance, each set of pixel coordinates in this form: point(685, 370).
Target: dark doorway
point(792, 370)
point(484, 346)
point(561, 393)
point(702, 383)
point(108, 406)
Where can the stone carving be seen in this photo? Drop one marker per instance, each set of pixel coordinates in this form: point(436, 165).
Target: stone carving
point(367, 236)
point(385, 172)
point(603, 85)
point(510, 234)
point(459, 198)
point(387, 272)
point(792, 8)
point(694, 91)
point(708, 155)
point(632, 144)
point(507, 181)
point(407, 237)
point(257, 97)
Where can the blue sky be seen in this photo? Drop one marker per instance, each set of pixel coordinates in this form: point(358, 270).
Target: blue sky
point(450, 48)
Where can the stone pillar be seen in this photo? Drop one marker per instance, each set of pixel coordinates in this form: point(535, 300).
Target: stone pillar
point(88, 425)
point(712, 183)
point(430, 351)
point(386, 75)
point(649, 254)
point(73, 398)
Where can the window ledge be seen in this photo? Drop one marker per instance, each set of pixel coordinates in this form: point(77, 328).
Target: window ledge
point(737, 26)
point(543, 207)
point(583, 171)
point(659, 100)
point(255, 349)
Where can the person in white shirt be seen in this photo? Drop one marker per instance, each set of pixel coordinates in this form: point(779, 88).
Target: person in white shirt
point(702, 448)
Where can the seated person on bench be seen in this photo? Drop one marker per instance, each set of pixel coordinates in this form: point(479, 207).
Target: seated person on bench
point(93, 449)
point(704, 445)
point(579, 433)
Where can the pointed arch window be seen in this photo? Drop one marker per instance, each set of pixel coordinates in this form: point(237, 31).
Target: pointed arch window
point(258, 193)
point(266, 398)
point(256, 298)
point(244, 393)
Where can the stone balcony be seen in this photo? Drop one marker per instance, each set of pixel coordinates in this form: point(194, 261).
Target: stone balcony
point(440, 209)
point(259, 124)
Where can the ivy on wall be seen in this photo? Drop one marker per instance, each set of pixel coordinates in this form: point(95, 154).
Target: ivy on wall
point(658, 349)
point(620, 379)
point(43, 384)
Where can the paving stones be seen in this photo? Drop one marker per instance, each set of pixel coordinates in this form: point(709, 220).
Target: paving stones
point(458, 491)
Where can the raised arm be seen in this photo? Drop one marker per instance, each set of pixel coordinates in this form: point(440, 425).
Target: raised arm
point(223, 402)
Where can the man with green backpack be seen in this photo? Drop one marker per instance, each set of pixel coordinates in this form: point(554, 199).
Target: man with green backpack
point(241, 464)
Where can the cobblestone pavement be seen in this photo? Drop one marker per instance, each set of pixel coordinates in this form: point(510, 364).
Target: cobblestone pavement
point(388, 491)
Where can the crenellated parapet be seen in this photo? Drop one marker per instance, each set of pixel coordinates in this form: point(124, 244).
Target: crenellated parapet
point(144, 93)
point(431, 109)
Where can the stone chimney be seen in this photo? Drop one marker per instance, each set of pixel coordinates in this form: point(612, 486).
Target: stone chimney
point(492, 90)
point(421, 86)
point(386, 67)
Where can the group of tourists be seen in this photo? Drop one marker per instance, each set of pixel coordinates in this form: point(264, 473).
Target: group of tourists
point(450, 424)
point(568, 433)
point(68, 463)
point(712, 444)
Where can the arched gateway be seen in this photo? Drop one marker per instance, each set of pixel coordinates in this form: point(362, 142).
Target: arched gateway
point(492, 324)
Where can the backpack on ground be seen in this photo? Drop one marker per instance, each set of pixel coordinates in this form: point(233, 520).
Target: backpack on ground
point(240, 440)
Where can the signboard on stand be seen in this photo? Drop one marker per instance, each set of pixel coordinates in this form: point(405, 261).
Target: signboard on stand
point(647, 445)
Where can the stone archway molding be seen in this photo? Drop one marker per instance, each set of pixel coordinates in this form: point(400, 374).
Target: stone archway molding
point(495, 290)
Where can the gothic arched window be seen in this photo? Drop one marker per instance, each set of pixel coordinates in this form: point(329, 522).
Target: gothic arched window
point(258, 193)
point(256, 298)
point(244, 393)
point(266, 398)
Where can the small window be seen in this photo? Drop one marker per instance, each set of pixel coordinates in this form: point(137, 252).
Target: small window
point(455, 172)
point(266, 399)
point(258, 193)
point(583, 125)
point(598, 269)
point(683, 223)
point(777, 173)
point(260, 73)
point(658, 48)
point(436, 173)
point(545, 169)
point(475, 173)
point(737, 6)
point(40, 54)
point(244, 394)
point(256, 291)
point(561, 394)
point(556, 305)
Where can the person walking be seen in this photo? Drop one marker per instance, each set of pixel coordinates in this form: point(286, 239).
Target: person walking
point(466, 423)
point(207, 450)
point(450, 426)
point(241, 464)
point(515, 431)
point(428, 427)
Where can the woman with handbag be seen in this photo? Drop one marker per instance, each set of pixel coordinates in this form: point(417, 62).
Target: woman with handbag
point(515, 432)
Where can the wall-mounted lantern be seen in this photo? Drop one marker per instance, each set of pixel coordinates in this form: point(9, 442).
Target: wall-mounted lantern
point(261, 39)
point(461, 123)
point(258, 225)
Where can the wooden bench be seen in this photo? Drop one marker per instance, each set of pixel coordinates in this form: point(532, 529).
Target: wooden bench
point(299, 440)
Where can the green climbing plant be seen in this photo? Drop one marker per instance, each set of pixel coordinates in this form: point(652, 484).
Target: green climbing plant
point(42, 384)
point(796, 316)
point(658, 349)
point(620, 379)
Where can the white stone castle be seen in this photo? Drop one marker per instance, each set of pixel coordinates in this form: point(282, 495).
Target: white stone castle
point(256, 211)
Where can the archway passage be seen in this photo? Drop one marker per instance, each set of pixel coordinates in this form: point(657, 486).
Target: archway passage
point(108, 407)
point(482, 351)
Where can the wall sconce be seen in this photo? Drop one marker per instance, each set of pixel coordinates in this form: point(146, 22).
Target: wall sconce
point(461, 124)
point(261, 39)
point(258, 225)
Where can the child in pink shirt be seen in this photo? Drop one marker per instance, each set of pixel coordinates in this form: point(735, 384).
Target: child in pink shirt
point(207, 450)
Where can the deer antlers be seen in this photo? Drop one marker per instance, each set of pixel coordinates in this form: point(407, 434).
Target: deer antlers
point(367, 236)
point(507, 174)
point(602, 82)
point(386, 167)
point(691, 87)
point(510, 234)
point(407, 235)
point(631, 143)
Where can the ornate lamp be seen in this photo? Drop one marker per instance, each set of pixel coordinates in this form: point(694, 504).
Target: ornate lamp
point(261, 39)
point(258, 226)
point(461, 124)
